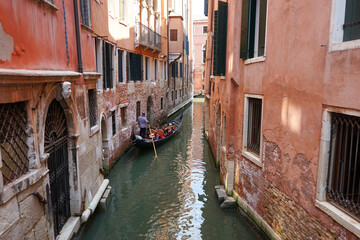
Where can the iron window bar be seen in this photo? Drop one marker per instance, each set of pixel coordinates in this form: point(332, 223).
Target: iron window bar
point(343, 180)
point(254, 125)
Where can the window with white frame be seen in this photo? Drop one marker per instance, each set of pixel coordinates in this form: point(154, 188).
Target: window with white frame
point(123, 116)
point(147, 68)
point(338, 185)
point(345, 24)
point(121, 9)
point(252, 137)
point(85, 13)
point(253, 28)
point(156, 69)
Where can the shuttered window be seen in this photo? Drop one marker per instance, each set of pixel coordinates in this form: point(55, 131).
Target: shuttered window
point(136, 67)
point(206, 6)
point(220, 33)
point(120, 66)
point(352, 20)
point(174, 70)
point(121, 10)
point(107, 65)
point(85, 13)
point(181, 69)
point(253, 28)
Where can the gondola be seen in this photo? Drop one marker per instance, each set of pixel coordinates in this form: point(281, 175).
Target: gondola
point(147, 142)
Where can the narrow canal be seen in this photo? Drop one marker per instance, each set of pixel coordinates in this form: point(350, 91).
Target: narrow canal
point(171, 197)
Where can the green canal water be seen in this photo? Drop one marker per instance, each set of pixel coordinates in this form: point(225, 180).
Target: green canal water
point(171, 197)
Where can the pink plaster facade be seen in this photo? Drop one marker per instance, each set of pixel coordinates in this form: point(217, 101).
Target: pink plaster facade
point(304, 74)
point(199, 36)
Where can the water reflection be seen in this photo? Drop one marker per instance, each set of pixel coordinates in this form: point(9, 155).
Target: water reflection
point(168, 198)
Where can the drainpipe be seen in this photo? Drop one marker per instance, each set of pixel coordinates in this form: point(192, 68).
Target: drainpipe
point(77, 28)
point(95, 201)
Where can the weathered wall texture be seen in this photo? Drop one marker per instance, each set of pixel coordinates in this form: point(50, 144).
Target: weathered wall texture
point(35, 60)
point(199, 64)
point(297, 78)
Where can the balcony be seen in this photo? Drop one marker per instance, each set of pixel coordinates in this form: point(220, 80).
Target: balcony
point(146, 37)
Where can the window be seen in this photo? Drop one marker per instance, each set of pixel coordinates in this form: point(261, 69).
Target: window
point(137, 109)
point(111, 7)
point(147, 68)
point(92, 107)
point(113, 121)
point(123, 116)
point(204, 29)
point(120, 65)
point(156, 69)
point(165, 71)
point(107, 65)
point(342, 187)
point(172, 95)
point(174, 70)
point(85, 13)
point(175, 94)
point(173, 34)
point(161, 103)
point(252, 128)
point(13, 141)
point(181, 69)
point(136, 66)
point(338, 180)
point(121, 10)
point(352, 20)
point(220, 32)
point(204, 53)
point(253, 28)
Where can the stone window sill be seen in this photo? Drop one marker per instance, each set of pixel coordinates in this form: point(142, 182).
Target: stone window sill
point(253, 158)
point(87, 28)
point(344, 46)
point(22, 183)
point(255, 60)
point(94, 130)
point(48, 4)
point(339, 216)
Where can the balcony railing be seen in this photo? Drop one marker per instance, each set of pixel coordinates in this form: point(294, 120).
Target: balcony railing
point(147, 37)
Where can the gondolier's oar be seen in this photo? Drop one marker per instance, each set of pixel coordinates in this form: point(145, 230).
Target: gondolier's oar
point(152, 138)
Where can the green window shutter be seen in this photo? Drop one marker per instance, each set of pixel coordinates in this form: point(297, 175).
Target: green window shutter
point(251, 28)
point(244, 29)
point(215, 60)
point(222, 36)
point(262, 27)
point(352, 18)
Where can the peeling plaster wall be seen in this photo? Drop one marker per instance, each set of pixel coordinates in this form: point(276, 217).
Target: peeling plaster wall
point(298, 77)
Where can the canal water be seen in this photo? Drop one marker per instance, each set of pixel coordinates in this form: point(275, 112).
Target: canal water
point(172, 197)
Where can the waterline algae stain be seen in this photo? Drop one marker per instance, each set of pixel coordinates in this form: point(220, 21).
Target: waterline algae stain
point(171, 197)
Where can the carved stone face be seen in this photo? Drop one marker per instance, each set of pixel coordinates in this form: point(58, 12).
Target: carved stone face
point(66, 89)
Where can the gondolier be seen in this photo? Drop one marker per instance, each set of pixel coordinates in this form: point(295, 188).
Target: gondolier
point(142, 121)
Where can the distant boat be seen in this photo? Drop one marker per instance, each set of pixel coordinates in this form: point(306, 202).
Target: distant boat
point(169, 130)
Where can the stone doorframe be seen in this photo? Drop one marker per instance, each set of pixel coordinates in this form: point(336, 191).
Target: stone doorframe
point(69, 109)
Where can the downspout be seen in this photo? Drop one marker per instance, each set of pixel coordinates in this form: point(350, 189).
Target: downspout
point(77, 28)
point(95, 201)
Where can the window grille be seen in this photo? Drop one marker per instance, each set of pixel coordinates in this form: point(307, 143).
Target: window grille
point(13, 146)
point(85, 13)
point(352, 20)
point(162, 103)
point(92, 107)
point(113, 120)
point(343, 185)
point(137, 109)
point(204, 29)
point(146, 68)
point(181, 69)
point(254, 125)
